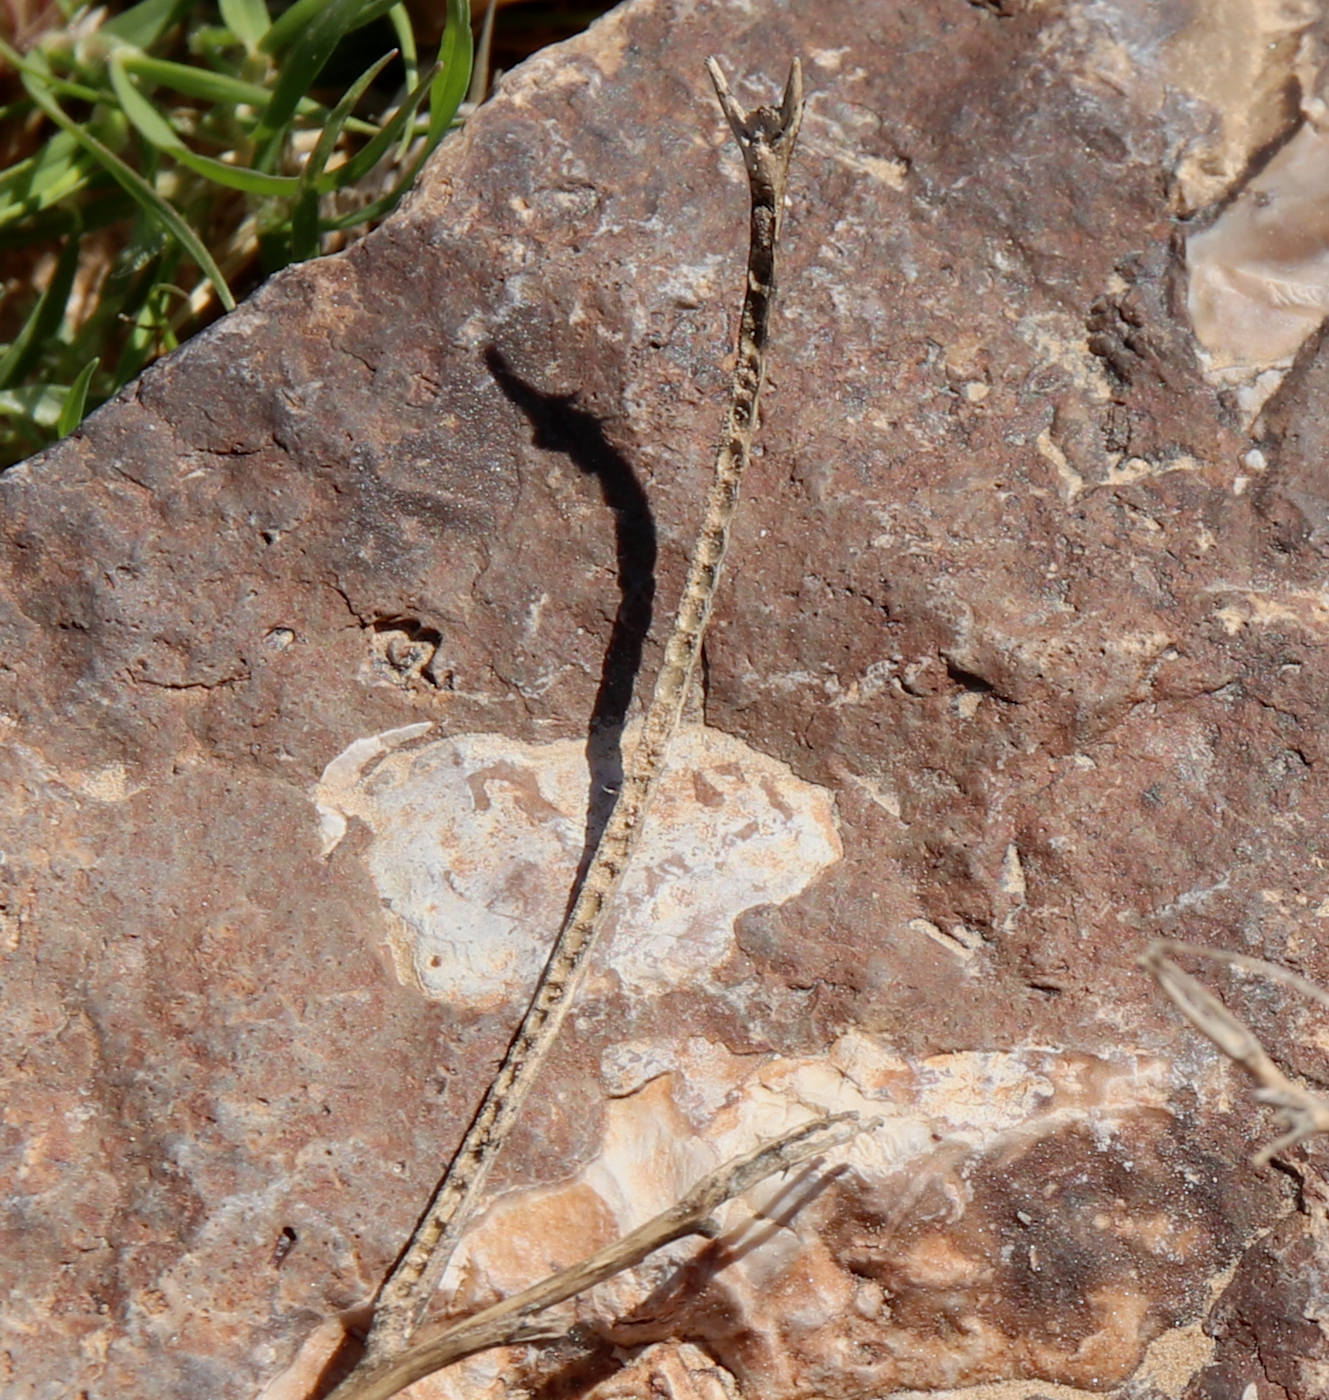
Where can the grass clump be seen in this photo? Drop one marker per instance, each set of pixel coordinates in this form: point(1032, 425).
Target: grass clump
point(159, 162)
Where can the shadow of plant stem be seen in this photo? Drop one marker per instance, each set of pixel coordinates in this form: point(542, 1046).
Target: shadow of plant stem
point(397, 1349)
point(560, 426)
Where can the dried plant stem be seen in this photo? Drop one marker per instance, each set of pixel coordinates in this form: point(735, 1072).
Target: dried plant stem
point(507, 1322)
point(1306, 1113)
point(766, 137)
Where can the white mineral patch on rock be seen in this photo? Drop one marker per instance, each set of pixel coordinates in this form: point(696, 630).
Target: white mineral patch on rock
point(475, 839)
point(702, 1105)
point(1259, 275)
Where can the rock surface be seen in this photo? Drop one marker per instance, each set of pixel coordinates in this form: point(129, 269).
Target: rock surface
point(1036, 603)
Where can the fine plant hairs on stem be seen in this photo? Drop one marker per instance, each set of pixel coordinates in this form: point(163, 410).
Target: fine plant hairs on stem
point(766, 137)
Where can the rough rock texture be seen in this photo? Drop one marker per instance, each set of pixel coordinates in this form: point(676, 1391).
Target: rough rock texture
point(464, 833)
point(1038, 605)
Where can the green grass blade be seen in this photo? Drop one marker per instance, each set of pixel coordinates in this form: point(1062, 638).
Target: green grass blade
point(143, 302)
point(144, 117)
point(304, 226)
point(239, 177)
point(36, 63)
point(248, 20)
point(152, 335)
point(43, 180)
point(447, 91)
point(158, 132)
point(305, 59)
point(448, 85)
point(456, 54)
point(286, 28)
point(80, 92)
point(193, 81)
point(71, 411)
point(289, 27)
point(368, 156)
point(220, 88)
point(332, 128)
point(43, 321)
point(143, 24)
point(136, 187)
point(405, 32)
point(410, 56)
point(304, 221)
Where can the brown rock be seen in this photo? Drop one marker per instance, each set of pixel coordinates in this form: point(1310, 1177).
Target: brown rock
point(1013, 585)
point(1267, 1324)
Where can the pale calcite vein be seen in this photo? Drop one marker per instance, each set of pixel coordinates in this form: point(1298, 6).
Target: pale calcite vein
point(1259, 275)
point(475, 838)
point(682, 1107)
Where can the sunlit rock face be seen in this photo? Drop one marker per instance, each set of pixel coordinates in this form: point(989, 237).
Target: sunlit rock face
point(1020, 661)
point(476, 839)
point(1259, 274)
point(911, 1258)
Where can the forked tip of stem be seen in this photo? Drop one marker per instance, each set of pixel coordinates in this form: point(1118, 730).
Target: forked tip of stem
point(734, 114)
point(792, 102)
point(770, 123)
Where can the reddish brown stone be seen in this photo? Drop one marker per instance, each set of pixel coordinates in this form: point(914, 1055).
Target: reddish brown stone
point(1011, 579)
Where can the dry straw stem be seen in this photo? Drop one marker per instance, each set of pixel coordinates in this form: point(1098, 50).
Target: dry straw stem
point(766, 136)
point(1305, 1112)
point(507, 1322)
